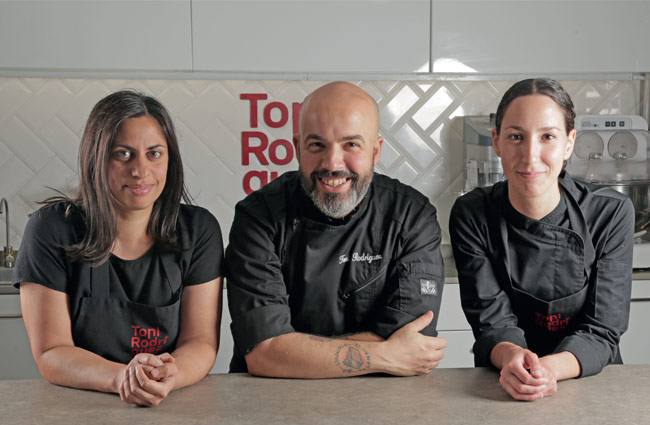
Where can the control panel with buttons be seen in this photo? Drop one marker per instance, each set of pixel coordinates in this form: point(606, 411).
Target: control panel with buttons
point(610, 122)
point(596, 122)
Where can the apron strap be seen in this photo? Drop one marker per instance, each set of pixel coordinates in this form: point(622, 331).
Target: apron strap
point(503, 231)
point(496, 221)
point(171, 271)
point(99, 280)
point(577, 219)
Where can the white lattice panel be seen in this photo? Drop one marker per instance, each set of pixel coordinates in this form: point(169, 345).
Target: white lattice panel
point(41, 121)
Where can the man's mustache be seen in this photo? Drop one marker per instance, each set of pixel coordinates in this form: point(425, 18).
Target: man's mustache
point(339, 174)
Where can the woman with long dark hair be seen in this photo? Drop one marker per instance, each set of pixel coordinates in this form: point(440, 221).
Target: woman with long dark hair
point(544, 261)
point(120, 285)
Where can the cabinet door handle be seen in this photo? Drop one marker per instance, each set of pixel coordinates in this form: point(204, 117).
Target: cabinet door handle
point(11, 316)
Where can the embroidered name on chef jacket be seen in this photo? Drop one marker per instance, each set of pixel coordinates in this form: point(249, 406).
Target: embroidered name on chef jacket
point(428, 287)
point(363, 257)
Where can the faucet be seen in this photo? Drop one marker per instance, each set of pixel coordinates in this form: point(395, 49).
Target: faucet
point(8, 258)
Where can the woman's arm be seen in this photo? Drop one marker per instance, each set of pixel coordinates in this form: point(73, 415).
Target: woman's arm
point(563, 365)
point(198, 341)
point(47, 319)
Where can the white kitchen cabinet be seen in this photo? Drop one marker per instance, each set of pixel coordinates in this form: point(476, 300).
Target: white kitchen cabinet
point(453, 326)
point(452, 317)
point(15, 350)
point(540, 37)
point(96, 35)
point(370, 36)
point(635, 343)
point(458, 352)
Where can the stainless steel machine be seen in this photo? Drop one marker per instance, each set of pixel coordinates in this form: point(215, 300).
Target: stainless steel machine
point(482, 165)
point(614, 150)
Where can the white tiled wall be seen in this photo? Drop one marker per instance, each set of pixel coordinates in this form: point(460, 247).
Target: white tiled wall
point(41, 121)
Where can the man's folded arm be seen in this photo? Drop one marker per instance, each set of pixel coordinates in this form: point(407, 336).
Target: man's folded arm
point(296, 355)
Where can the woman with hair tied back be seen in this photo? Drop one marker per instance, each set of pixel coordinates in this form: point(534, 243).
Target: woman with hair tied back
point(120, 285)
point(544, 261)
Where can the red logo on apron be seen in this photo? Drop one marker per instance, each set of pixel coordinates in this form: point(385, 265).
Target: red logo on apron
point(147, 340)
point(553, 323)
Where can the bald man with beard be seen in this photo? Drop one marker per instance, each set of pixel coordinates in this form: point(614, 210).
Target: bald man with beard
point(335, 270)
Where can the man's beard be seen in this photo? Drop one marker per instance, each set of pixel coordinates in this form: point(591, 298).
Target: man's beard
point(336, 205)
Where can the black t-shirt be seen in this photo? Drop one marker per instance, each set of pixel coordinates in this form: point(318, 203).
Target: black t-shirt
point(43, 259)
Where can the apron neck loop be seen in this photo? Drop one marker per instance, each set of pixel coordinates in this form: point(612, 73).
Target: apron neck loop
point(99, 280)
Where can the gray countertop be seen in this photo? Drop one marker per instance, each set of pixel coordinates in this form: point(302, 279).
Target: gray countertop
point(618, 395)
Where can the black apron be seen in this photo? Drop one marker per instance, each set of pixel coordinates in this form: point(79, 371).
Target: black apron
point(118, 329)
point(546, 323)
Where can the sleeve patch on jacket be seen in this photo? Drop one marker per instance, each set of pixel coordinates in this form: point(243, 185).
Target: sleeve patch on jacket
point(428, 287)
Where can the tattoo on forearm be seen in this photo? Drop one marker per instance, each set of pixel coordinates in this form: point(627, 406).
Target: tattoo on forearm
point(352, 358)
point(320, 338)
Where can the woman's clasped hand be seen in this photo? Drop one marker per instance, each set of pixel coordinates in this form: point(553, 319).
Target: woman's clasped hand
point(147, 379)
point(524, 376)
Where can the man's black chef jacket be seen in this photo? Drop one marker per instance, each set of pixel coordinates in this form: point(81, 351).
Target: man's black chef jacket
point(292, 269)
point(490, 303)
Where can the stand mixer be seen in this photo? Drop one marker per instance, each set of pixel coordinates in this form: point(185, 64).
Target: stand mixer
point(614, 151)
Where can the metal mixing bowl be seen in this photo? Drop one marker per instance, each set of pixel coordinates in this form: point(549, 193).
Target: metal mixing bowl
point(639, 193)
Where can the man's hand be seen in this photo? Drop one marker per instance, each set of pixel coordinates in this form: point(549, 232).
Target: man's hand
point(148, 379)
point(408, 352)
point(523, 376)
